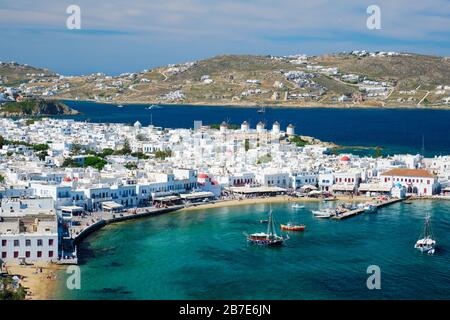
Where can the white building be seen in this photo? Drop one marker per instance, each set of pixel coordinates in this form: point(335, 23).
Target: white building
point(416, 181)
point(28, 230)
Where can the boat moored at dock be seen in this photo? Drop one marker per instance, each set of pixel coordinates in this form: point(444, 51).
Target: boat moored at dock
point(324, 214)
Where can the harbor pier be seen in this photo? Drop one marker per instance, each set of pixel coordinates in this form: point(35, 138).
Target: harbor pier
point(352, 213)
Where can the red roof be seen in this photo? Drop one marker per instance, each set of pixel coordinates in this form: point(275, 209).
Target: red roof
point(67, 179)
point(203, 176)
point(401, 172)
point(345, 158)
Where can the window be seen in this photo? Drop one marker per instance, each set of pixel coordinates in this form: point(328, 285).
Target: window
point(4, 242)
point(428, 181)
point(39, 242)
point(16, 243)
point(16, 254)
point(39, 254)
point(50, 242)
point(28, 243)
point(27, 254)
point(4, 255)
point(50, 254)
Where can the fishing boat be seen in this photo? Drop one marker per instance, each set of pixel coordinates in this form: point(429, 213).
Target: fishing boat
point(267, 239)
point(264, 221)
point(426, 243)
point(324, 214)
point(292, 227)
point(262, 110)
point(120, 106)
point(297, 206)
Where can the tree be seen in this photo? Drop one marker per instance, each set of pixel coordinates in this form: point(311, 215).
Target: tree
point(40, 147)
point(126, 149)
point(2, 141)
point(106, 152)
point(69, 162)
point(131, 166)
point(95, 162)
point(247, 145)
point(41, 155)
point(163, 154)
point(2, 179)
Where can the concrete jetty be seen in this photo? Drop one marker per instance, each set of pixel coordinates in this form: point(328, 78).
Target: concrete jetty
point(358, 211)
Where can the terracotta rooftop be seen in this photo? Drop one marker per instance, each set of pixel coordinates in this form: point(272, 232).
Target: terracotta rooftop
point(408, 173)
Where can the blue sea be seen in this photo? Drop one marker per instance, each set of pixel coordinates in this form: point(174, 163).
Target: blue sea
point(395, 130)
point(204, 255)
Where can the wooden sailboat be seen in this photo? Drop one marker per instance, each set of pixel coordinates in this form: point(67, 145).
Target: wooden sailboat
point(267, 239)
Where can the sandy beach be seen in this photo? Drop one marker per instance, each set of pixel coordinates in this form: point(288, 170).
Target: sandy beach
point(278, 199)
point(39, 285)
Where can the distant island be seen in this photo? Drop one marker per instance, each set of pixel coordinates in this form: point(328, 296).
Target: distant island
point(353, 79)
point(35, 107)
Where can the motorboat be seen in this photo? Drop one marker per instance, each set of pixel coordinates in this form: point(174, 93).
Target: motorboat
point(292, 227)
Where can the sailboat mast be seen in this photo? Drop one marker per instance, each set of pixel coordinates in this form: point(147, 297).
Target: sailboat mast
point(271, 226)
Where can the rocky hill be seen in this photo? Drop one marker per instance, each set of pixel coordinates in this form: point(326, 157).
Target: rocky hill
point(12, 73)
point(356, 79)
point(36, 108)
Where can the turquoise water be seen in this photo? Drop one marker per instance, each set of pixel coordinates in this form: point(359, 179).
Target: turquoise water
point(203, 255)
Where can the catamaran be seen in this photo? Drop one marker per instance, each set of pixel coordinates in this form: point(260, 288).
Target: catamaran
point(426, 243)
point(267, 239)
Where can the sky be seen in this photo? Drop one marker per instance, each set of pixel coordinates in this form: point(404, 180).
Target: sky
point(124, 36)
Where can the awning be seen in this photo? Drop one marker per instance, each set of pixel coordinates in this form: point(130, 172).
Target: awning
point(165, 199)
point(371, 187)
point(111, 205)
point(196, 195)
point(250, 190)
point(342, 187)
point(71, 208)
